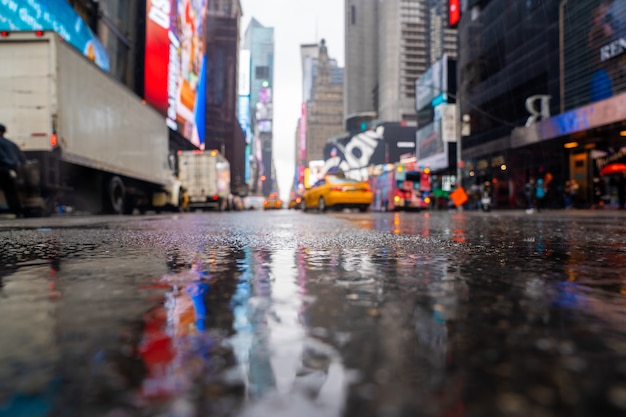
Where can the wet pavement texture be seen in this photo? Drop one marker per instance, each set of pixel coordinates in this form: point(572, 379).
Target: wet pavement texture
point(285, 313)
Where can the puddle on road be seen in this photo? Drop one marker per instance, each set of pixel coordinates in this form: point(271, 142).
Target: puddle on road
point(398, 316)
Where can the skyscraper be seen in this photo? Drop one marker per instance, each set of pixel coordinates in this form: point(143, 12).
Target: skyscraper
point(324, 108)
point(389, 44)
point(361, 56)
point(259, 40)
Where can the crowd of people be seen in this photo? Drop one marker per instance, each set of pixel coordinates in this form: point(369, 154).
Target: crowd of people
point(544, 192)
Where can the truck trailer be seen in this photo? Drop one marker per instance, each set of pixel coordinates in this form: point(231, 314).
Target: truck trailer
point(97, 146)
point(205, 176)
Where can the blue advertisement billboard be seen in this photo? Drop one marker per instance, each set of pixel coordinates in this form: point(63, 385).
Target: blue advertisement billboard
point(594, 51)
point(56, 15)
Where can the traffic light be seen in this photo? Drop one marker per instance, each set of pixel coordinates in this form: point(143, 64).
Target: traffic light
point(454, 13)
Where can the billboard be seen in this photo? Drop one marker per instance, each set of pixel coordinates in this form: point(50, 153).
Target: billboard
point(57, 16)
point(244, 72)
point(594, 38)
point(175, 64)
point(432, 84)
point(353, 154)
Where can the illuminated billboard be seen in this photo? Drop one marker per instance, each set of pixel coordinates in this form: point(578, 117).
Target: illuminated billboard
point(175, 64)
point(594, 38)
point(57, 16)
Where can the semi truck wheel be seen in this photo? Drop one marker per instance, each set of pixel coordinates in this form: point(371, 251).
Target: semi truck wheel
point(116, 195)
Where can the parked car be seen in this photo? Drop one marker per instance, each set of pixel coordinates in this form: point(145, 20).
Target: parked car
point(337, 192)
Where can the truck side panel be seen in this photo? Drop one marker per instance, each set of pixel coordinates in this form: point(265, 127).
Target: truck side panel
point(104, 125)
point(25, 86)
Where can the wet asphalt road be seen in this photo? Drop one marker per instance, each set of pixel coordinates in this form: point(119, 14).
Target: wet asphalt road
point(286, 313)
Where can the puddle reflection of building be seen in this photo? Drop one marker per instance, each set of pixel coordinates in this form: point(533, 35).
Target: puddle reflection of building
point(29, 383)
point(283, 370)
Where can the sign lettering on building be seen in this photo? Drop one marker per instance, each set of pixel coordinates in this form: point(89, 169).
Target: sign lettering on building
point(542, 113)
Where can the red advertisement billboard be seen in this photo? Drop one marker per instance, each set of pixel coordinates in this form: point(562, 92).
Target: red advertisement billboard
point(175, 64)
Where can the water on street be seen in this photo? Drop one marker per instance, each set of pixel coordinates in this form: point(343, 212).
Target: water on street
point(285, 313)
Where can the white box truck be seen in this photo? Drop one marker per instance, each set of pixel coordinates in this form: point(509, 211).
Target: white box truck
point(98, 146)
point(205, 176)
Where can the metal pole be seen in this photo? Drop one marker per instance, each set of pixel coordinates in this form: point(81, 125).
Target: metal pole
point(562, 53)
point(459, 159)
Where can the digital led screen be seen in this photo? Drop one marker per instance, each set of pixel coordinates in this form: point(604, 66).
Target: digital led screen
point(55, 15)
point(175, 64)
point(594, 50)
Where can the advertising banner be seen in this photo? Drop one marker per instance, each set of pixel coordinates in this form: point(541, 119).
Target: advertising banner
point(175, 64)
point(594, 39)
point(55, 15)
point(303, 132)
point(354, 154)
point(244, 72)
point(429, 141)
point(432, 84)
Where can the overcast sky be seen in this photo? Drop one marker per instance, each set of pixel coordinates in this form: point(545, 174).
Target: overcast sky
point(295, 22)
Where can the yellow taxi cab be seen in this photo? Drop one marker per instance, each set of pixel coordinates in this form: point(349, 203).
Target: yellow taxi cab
point(295, 203)
point(337, 192)
point(272, 202)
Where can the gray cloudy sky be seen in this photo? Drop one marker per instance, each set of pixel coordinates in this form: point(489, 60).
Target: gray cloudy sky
point(295, 22)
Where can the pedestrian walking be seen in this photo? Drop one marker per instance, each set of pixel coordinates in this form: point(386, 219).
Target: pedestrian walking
point(540, 194)
point(529, 193)
point(11, 159)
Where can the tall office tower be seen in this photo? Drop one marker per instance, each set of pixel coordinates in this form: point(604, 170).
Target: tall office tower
point(406, 36)
point(308, 56)
point(222, 130)
point(403, 42)
point(259, 40)
point(442, 38)
point(324, 110)
point(361, 56)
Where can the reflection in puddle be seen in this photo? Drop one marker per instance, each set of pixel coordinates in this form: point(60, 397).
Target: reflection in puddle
point(289, 372)
point(443, 318)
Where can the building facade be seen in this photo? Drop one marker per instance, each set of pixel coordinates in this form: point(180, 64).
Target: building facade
point(309, 54)
point(259, 40)
point(403, 38)
point(324, 110)
point(543, 84)
point(361, 56)
point(222, 129)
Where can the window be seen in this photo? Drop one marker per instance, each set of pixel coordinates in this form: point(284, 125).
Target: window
point(262, 72)
point(353, 14)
